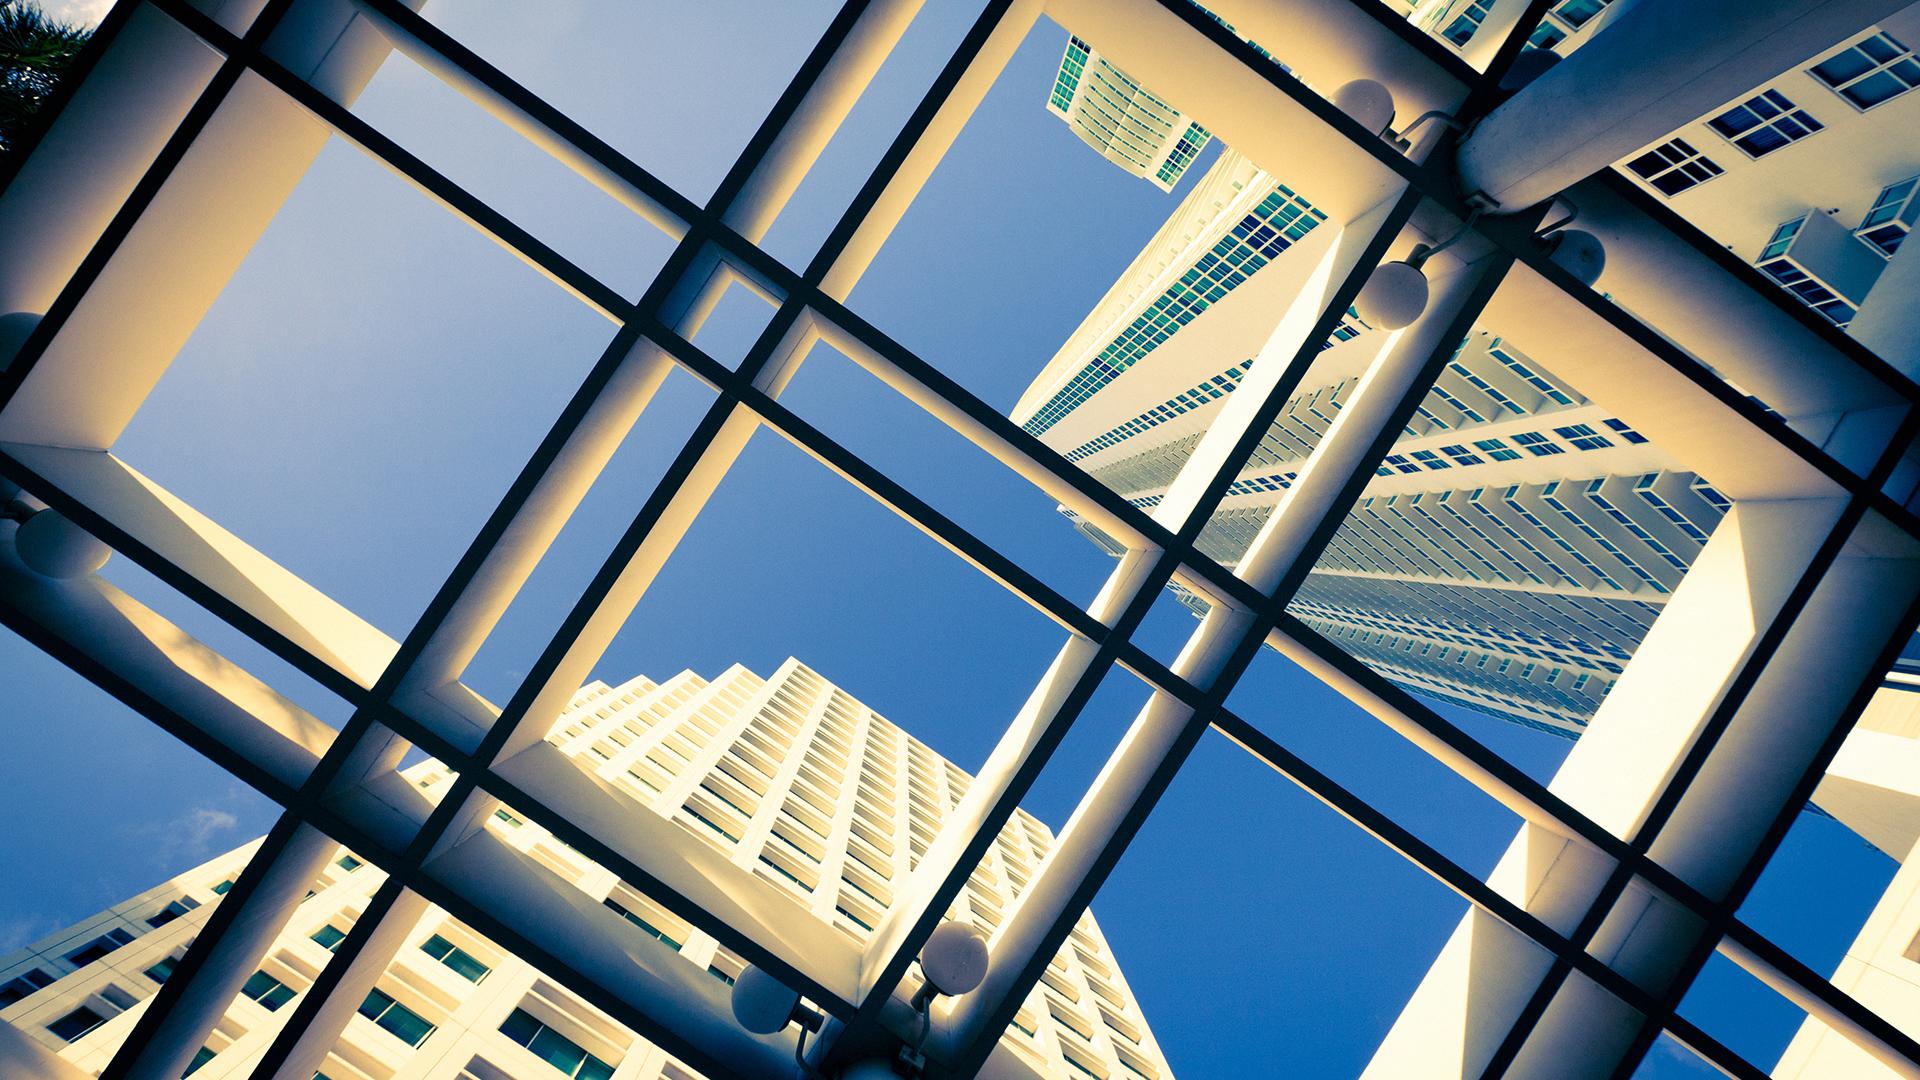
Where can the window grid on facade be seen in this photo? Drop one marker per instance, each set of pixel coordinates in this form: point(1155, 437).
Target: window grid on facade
point(1764, 123)
point(1674, 166)
point(475, 773)
point(1870, 72)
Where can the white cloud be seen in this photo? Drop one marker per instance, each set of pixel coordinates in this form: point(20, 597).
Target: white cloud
point(20, 932)
point(77, 12)
point(192, 836)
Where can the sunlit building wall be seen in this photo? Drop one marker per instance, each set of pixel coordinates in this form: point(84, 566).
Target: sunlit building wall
point(789, 776)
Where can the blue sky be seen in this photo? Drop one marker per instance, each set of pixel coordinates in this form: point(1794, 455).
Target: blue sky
point(377, 372)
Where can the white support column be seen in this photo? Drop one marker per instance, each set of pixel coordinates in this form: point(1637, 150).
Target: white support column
point(176, 261)
point(1643, 78)
point(236, 955)
point(1153, 735)
point(1622, 765)
point(310, 1052)
point(1743, 334)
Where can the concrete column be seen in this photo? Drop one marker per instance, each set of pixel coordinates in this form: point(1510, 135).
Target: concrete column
point(1621, 766)
point(236, 955)
point(826, 105)
point(1156, 732)
point(324, 1029)
point(167, 272)
point(1646, 76)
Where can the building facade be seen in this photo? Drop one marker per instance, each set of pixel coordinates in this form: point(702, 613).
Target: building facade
point(1518, 541)
point(1123, 121)
point(789, 776)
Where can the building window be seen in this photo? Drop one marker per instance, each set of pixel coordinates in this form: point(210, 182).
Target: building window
point(1888, 219)
point(1775, 263)
point(23, 986)
point(396, 1019)
point(200, 1057)
point(1673, 167)
point(76, 1023)
point(461, 961)
point(1764, 123)
point(347, 863)
point(643, 924)
point(162, 970)
point(330, 937)
point(270, 992)
point(1870, 72)
point(1467, 23)
point(221, 889)
point(554, 1048)
point(1577, 13)
point(99, 947)
point(172, 911)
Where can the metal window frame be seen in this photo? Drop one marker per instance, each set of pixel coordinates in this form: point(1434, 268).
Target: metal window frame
point(708, 240)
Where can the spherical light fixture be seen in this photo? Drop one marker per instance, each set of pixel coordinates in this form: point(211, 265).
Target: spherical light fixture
point(54, 547)
point(1579, 253)
point(955, 958)
point(1369, 104)
point(1394, 296)
point(761, 1003)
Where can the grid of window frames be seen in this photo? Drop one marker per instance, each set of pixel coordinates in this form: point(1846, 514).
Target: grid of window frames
point(402, 1022)
point(1871, 72)
point(1674, 166)
point(1764, 123)
point(1777, 262)
point(1891, 216)
point(1280, 219)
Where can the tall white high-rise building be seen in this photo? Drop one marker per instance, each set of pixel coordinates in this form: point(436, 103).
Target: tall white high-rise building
point(1514, 547)
point(788, 776)
point(1124, 122)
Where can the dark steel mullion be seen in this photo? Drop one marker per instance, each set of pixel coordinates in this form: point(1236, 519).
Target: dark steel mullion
point(96, 46)
point(876, 484)
point(1110, 648)
point(1448, 61)
point(1663, 216)
point(186, 584)
point(560, 124)
point(314, 998)
point(1382, 827)
point(1455, 877)
point(1302, 362)
point(1505, 234)
point(1486, 94)
point(1264, 617)
point(1429, 181)
point(1724, 919)
point(163, 1002)
point(906, 139)
point(145, 190)
point(1680, 782)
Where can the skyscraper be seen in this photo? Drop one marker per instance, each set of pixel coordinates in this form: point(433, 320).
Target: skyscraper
point(1123, 121)
point(1517, 542)
point(789, 777)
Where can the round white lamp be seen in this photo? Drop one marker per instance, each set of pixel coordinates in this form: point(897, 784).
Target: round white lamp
point(761, 1003)
point(1369, 104)
point(54, 547)
point(1394, 296)
point(955, 958)
point(1579, 253)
